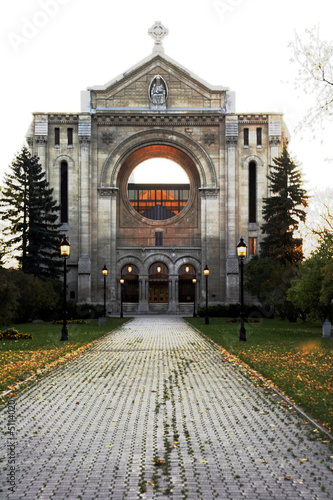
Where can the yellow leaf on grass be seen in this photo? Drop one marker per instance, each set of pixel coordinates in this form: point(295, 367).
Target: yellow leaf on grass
point(303, 459)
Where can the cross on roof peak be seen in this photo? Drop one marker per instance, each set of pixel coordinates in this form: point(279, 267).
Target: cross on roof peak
point(158, 31)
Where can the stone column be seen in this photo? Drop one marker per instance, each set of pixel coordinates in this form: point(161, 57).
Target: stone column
point(112, 248)
point(143, 294)
point(41, 143)
point(232, 228)
point(41, 135)
point(84, 262)
point(105, 239)
point(210, 231)
point(274, 138)
point(172, 293)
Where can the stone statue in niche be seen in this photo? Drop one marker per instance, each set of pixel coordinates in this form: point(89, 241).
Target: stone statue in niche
point(158, 91)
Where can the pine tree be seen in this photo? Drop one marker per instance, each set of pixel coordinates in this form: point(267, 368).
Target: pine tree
point(283, 211)
point(30, 216)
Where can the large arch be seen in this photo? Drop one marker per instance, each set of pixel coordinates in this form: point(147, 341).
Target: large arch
point(178, 144)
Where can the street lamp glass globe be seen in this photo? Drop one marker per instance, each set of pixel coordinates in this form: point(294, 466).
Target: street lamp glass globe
point(65, 247)
point(241, 249)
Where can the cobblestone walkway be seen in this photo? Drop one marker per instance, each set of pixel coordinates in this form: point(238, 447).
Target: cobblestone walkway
point(155, 410)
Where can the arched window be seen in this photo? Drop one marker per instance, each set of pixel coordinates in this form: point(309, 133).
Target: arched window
point(185, 284)
point(130, 273)
point(252, 191)
point(64, 192)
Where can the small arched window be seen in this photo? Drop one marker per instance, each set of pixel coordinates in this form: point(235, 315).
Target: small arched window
point(64, 192)
point(252, 191)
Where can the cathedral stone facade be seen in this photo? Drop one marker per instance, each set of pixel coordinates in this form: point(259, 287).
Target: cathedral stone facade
point(157, 237)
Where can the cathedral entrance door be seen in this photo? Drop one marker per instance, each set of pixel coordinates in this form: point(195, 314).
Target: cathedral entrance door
point(158, 283)
point(158, 293)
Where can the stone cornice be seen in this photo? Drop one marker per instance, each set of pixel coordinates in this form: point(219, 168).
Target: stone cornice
point(253, 119)
point(64, 118)
point(158, 120)
point(147, 120)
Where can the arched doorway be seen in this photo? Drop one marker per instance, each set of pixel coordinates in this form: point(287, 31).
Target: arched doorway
point(158, 283)
point(186, 286)
point(130, 274)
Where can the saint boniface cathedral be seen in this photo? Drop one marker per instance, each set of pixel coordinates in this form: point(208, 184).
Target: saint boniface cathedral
point(157, 236)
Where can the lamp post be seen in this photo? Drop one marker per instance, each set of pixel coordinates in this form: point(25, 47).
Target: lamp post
point(65, 250)
point(121, 281)
point(105, 273)
point(206, 273)
point(241, 254)
point(194, 280)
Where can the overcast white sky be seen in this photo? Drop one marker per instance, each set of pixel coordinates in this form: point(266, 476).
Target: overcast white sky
point(53, 49)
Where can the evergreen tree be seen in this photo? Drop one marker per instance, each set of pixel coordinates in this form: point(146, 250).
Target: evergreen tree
point(283, 211)
point(30, 216)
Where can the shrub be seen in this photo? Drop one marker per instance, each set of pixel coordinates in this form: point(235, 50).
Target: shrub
point(220, 311)
point(12, 334)
point(233, 310)
point(89, 311)
point(24, 297)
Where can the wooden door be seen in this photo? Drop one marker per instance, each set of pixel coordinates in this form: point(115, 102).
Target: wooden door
point(158, 293)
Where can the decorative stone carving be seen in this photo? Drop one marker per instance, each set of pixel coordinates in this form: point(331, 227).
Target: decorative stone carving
point(41, 139)
point(209, 192)
point(108, 192)
point(274, 140)
point(108, 137)
point(231, 140)
point(209, 138)
point(84, 140)
point(158, 91)
point(158, 31)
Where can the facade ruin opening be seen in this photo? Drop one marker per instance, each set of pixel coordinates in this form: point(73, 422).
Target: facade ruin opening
point(157, 110)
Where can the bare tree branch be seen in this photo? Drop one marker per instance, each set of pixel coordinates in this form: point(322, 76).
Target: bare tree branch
point(314, 58)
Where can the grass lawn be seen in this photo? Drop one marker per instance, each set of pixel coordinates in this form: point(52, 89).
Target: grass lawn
point(294, 356)
point(21, 358)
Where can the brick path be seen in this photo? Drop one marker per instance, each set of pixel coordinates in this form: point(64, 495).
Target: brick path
point(153, 411)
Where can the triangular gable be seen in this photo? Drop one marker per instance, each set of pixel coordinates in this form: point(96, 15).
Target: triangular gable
point(131, 90)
